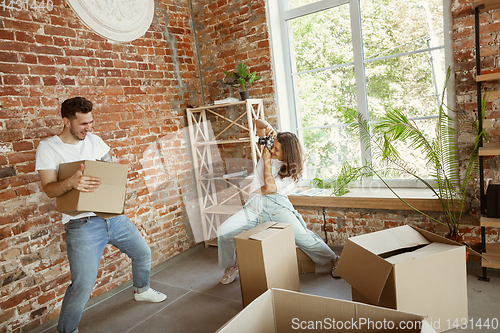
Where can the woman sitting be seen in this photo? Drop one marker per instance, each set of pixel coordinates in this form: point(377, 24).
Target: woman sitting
point(276, 171)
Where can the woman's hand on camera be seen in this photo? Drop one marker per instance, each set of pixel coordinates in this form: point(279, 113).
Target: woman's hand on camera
point(266, 154)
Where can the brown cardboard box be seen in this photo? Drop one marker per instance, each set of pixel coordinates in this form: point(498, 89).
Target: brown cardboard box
point(408, 269)
point(109, 197)
point(305, 264)
point(266, 259)
point(283, 311)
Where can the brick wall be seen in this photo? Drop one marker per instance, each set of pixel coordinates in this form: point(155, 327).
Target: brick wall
point(466, 97)
point(230, 32)
point(140, 91)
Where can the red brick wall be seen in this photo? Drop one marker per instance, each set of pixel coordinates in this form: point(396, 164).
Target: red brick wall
point(140, 91)
point(230, 32)
point(466, 95)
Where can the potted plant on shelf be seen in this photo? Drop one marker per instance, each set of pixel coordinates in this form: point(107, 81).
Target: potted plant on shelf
point(441, 157)
point(242, 80)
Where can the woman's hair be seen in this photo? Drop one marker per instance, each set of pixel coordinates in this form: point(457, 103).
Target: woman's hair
point(292, 156)
point(71, 106)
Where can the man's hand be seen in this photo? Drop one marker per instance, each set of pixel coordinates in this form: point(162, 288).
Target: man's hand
point(54, 188)
point(84, 183)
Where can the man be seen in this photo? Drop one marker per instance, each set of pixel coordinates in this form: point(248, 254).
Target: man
point(87, 234)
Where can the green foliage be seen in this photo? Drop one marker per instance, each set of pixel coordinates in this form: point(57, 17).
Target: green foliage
point(242, 78)
point(440, 156)
point(325, 82)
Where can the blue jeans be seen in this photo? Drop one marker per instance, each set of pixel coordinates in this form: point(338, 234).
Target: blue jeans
point(265, 208)
point(86, 239)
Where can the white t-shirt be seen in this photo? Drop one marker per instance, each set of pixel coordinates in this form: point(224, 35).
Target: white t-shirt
point(53, 151)
point(282, 185)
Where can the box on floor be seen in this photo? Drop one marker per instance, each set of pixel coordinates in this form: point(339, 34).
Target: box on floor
point(280, 311)
point(267, 258)
point(408, 269)
point(109, 197)
point(305, 264)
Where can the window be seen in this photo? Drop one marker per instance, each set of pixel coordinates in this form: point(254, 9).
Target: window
point(370, 55)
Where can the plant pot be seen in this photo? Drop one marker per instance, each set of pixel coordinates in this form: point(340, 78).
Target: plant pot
point(244, 95)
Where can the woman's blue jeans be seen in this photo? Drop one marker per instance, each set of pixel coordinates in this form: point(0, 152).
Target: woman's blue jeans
point(276, 208)
point(86, 239)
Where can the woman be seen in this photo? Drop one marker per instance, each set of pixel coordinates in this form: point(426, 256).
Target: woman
point(275, 173)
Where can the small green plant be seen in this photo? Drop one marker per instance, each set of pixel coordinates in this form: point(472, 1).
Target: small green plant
point(242, 78)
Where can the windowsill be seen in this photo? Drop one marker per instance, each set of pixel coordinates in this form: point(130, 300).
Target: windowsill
point(382, 198)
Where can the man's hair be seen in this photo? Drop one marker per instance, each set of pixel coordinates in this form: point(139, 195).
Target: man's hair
point(292, 156)
point(71, 106)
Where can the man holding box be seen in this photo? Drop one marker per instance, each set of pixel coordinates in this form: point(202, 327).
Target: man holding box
point(87, 234)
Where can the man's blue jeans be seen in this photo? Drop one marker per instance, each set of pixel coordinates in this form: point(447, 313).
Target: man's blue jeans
point(86, 239)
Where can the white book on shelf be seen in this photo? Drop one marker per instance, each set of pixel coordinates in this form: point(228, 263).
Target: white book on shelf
point(235, 174)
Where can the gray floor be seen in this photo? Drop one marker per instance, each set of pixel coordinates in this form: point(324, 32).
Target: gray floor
point(197, 302)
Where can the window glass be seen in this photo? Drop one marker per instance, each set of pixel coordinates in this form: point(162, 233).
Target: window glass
point(410, 83)
point(394, 26)
point(321, 39)
point(398, 62)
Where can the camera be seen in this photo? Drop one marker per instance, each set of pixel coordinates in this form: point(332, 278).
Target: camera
point(267, 141)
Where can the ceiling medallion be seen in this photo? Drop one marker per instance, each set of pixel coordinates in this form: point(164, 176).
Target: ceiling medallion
point(117, 20)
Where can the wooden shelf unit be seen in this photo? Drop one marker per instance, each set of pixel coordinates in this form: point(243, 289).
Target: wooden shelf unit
point(485, 5)
point(490, 252)
point(490, 222)
point(491, 256)
point(205, 143)
point(489, 149)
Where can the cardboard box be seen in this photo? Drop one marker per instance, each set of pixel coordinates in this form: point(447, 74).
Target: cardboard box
point(283, 311)
point(266, 259)
point(109, 197)
point(305, 264)
point(408, 269)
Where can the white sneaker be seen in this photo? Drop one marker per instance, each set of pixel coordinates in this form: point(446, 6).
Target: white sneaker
point(335, 263)
point(230, 274)
point(150, 295)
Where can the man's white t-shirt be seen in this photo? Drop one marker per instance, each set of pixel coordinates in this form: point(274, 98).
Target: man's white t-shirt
point(53, 151)
point(283, 186)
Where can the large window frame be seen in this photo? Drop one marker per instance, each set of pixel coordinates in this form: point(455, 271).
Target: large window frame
point(278, 17)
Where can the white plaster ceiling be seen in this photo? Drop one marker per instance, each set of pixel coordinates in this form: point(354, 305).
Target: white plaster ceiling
point(117, 20)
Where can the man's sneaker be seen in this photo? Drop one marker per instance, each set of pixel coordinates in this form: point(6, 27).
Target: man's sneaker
point(335, 263)
point(230, 274)
point(150, 295)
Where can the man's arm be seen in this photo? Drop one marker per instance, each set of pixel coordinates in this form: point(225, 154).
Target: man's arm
point(54, 188)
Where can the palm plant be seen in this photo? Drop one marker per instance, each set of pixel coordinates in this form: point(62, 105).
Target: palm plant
point(441, 158)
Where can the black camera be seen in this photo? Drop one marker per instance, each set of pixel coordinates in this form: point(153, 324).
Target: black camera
point(267, 141)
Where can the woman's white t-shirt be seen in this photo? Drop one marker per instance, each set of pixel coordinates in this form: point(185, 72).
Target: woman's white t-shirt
point(283, 186)
point(53, 151)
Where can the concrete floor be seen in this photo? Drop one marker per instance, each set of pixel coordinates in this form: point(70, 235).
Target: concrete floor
point(198, 303)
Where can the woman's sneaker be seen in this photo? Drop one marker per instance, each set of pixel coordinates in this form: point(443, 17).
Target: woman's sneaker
point(150, 295)
point(335, 263)
point(230, 274)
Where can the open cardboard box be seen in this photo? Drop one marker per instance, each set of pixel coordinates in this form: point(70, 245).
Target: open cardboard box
point(283, 311)
point(109, 197)
point(266, 259)
point(408, 269)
